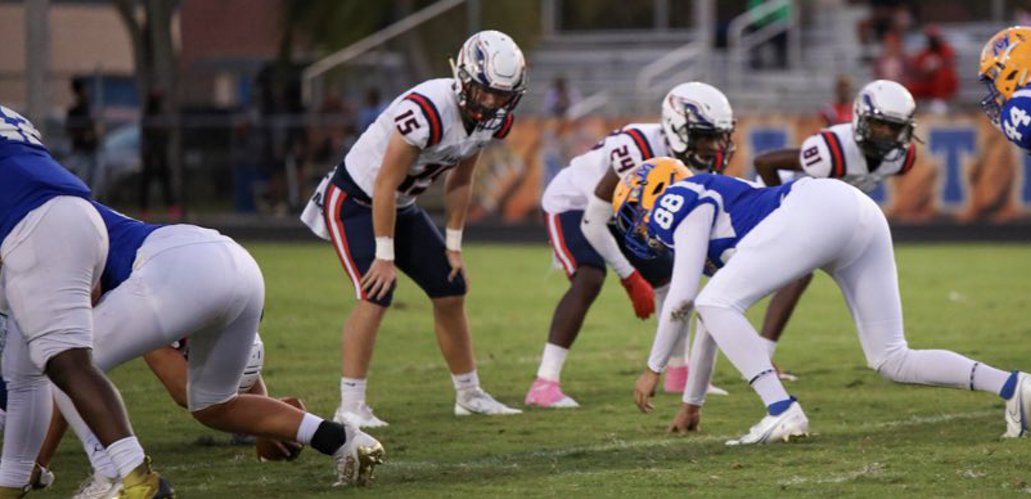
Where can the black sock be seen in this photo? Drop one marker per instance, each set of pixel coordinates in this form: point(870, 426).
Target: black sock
point(328, 437)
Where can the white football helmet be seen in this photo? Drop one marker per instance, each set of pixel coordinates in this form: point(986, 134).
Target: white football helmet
point(883, 102)
point(694, 109)
point(252, 372)
point(490, 77)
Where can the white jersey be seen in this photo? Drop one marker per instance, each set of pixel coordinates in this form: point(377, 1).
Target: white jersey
point(834, 153)
point(427, 117)
point(620, 151)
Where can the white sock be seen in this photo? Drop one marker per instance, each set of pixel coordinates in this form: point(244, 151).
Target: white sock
point(771, 346)
point(987, 378)
point(99, 458)
point(127, 454)
point(352, 391)
point(306, 430)
point(551, 362)
point(466, 381)
point(769, 388)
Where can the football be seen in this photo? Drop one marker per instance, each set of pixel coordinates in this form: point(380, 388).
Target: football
point(270, 449)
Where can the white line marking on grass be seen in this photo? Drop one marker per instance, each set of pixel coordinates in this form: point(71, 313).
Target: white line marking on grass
point(505, 460)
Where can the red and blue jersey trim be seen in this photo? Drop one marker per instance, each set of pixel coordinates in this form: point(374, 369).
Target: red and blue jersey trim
point(429, 110)
point(641, 142)
point(837, 154)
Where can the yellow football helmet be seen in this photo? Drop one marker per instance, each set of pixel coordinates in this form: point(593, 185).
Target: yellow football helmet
point(634, 197)
point(1004, 67)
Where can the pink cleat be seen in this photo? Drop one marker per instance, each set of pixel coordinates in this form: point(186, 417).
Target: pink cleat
point(676, 379)
point(547, 393)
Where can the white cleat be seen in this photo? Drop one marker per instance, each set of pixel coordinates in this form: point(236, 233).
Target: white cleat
point(1018, 409)
point(477, 401)
point(780, 428)
point(357, 459)
point(99, 486)
point(359, 415)
point(715, 390)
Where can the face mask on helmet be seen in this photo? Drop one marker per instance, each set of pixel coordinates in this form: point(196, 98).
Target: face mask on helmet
point(482, 104)
point(882, 137)
point(633, 201)
point(708, 149)
point(991, 104)
point(698, 124)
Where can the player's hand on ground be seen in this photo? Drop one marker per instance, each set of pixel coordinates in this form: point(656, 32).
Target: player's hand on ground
point(454, 259)
point(641, 294)
point(688, 418)
point(380, 277)
point(644, 389)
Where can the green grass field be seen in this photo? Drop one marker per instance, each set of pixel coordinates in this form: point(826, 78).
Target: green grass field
point(871, 438)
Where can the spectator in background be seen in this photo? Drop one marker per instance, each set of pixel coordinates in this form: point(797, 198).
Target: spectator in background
point(778, 44)
point(82, 130)
point(559, 98)
point(1022, 13)
point(934, 72)
point(839, 110)
point(891, 63)
point(371, 109)
point(154, 151)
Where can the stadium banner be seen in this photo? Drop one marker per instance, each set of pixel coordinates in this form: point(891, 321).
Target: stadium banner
point(966, 171)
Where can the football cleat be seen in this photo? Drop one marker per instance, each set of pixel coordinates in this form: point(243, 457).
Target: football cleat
point(98, 486)
point(359, 415)
point(356, 460)
point(145, 483)
point(477, 401)
point(1018, 409)
point(771, 429)
point(547, 393)
point(675, 380)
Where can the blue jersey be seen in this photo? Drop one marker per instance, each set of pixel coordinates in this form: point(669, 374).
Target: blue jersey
point(126, 235)
point(29, 177)
point(1015, 119)
point(740, 206)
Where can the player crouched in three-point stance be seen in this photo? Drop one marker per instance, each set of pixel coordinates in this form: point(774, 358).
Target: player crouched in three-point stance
point(164, 283)
point(876, 145)
point(697, 123)
point(761, 239)
point(52, 254)
point(366, 207)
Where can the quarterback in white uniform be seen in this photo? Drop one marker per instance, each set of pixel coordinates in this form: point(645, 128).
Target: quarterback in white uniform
point(761, 238)
point(877, 144)
point(697, 122)
point(366, 208)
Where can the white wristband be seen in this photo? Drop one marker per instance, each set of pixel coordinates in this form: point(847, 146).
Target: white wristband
point(385, 248)
point(453, 239)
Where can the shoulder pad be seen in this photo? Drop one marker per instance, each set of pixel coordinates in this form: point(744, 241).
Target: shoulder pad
point(1015, 119)
point(418, 120)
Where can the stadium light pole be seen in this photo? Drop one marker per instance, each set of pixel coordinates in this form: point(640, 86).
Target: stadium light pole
point(37, 59)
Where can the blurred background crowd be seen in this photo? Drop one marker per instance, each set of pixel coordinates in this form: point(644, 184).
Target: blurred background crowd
point(168, 106)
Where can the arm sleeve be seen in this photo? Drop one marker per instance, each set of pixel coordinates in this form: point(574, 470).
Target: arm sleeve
point(595, 228)
point(702, 362)
point(691, 240)
point(415, 118)
point(1015, 119)
point(815, 157)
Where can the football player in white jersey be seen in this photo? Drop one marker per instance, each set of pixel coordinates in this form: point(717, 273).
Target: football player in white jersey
point(697, 123)
point(1005, 69)
point(53, 248)
point(366, 208)
point(762, 238)
point(878, 143)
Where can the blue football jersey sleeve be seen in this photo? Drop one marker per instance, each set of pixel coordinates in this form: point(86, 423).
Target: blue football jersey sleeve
point(671, 208)
point(1015, 119)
